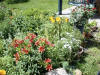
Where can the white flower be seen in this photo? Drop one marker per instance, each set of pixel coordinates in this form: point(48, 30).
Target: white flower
point(63, 39)
point(67, 33)
point(70, 48)
point(65, 46)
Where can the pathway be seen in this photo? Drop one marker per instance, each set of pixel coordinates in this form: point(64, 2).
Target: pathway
point(67, 12)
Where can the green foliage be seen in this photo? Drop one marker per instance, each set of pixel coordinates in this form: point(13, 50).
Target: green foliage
point(15, 1)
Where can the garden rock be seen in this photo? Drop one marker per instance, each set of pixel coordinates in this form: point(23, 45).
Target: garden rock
point(59, 71)
point(77, 72)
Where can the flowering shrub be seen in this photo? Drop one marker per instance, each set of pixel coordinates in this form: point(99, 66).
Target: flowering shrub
point(33, 53)
point(81, 14)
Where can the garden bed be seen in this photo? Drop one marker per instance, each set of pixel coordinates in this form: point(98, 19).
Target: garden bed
point(35, 42)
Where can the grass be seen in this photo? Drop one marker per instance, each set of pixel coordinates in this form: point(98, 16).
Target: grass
point(51, 5)
point(91, 63)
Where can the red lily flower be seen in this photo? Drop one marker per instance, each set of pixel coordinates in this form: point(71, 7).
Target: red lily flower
point(49, 67)
point(33, 36)
point(41, 49)
point(47, 60)
point(25, 50)
point(93, 8)
point(27, 37)
point(47, 42)
point(15, 45)
point(31, 40)
point(52, 45)
point(37, 43)
point(29, 45)
point(21, 41)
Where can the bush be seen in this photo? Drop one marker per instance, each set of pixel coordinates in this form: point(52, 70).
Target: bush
point(15, 1)
point(81, 14)
point(15, 21)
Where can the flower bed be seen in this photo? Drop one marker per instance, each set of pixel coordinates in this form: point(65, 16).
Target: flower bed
point(32, 42)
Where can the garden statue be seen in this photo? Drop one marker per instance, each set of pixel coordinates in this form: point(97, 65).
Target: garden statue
point(98, 6)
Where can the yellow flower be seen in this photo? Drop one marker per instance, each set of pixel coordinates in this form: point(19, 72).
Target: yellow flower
point(53, 20)
point(66, 20)
point(2, 72)
point(51, 17)
point(58, 19)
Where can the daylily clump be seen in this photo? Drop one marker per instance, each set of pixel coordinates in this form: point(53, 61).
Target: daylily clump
point(24, 46)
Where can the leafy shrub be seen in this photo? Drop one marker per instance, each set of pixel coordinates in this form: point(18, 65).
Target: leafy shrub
point(15, 21)
point(6, 29)
point(15, 1)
